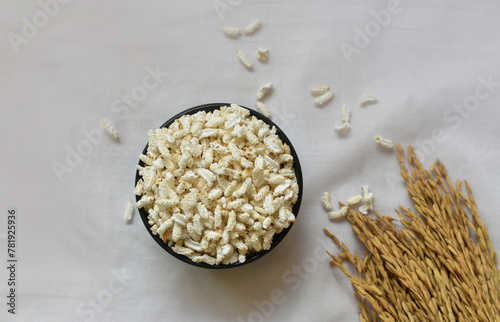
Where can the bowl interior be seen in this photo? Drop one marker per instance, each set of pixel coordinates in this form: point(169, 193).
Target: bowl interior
point(277, 237)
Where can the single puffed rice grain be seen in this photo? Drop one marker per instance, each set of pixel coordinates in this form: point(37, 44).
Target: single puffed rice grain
point(110, 129)
point(321, 100)
point(325, 201)
point(364, 209)
point(368, 200)
point(252, 27)
point(129, 212)
point(144, 201)
point(367, 99)
point(341, 128)
point(232, 32)
point(319, 89)
point(264, 111)
point(338, 213)
point(263, 54)
point(354, 200)
point(384, 142)
point(346, 114)
point(244, 59)
point(263, 90)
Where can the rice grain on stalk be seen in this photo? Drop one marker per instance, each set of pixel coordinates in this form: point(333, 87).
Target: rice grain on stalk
point(440, 267)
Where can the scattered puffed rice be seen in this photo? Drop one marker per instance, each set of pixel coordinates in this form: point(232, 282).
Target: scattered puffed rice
point(368, 200)
point(129, 212)
point(367, 99)
point(325, 201)
point(263, 90)
point(323, 98)
point(346, 114)
point(232, 32)
point(244, 59)
point(338, 213)
point(367, 195)
point(354, 200)
point(219, 193)
point(319, 89)
point(252, 27)
point(109, 129)
point(341, 128)
point(364, 209)
point(384, 142)
point(263, 54)
point(263, 109)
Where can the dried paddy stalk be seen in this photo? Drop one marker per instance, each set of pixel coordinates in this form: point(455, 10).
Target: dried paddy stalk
point(440, 267)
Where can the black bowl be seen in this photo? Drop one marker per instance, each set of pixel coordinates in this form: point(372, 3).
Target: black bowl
point(277, 238)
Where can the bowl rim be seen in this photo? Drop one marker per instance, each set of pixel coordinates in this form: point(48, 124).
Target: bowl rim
point(277, 238)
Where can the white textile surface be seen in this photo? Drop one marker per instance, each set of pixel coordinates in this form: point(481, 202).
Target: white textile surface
point(67, 65)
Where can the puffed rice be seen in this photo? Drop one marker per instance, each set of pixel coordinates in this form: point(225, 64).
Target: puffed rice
point(252, 27)
point(384, 142)
point(342, 127)
point(129, 212)
point(354, 200)
point(338, 213)
point(320, 100)
point(263, 90)
point(368, 200)
point(263, 54)
point(346, 114)
point(367, 99)
point(319, 89)
point(264, 111)
point(325, 201)
point(221, 193)
point(110, 129)
point(232, 32)
point(244, 59)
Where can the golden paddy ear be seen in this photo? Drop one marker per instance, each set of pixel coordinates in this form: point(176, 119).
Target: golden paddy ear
point(427, 257)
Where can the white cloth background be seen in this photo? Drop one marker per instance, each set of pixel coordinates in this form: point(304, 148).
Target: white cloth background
point(78, 261)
